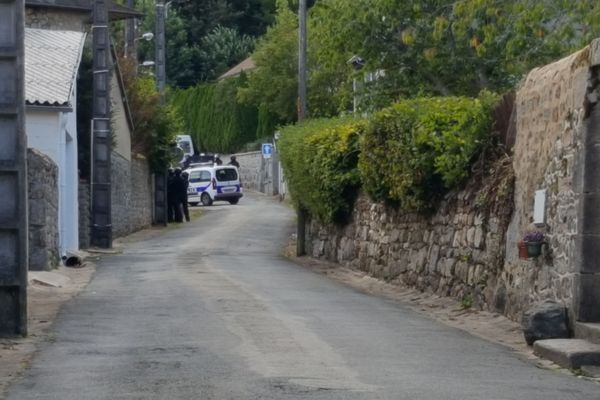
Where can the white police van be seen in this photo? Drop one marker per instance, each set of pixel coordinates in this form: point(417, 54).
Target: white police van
point(216, 183)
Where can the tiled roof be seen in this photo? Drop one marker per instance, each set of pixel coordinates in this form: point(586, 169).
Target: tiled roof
point(51, 63)
point(245, 65)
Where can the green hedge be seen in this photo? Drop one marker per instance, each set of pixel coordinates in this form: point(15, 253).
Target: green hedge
point(320, 160)
point(409, 154)
point(214, 118)
point(416, 150)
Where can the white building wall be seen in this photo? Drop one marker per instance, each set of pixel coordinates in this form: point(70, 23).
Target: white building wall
point(49, 131)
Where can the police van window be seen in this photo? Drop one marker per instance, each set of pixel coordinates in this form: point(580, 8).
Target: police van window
point(199, 176)
point(226, 174)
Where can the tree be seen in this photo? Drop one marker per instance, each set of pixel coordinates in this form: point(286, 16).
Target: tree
point(222, 49)
point(273, 83)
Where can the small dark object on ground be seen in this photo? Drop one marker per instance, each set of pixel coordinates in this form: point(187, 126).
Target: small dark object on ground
point(71, 261)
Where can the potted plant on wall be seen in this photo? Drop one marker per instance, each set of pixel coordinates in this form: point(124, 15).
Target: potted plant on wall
point(533, 241)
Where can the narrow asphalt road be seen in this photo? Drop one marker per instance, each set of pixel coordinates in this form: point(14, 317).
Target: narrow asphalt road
point(213, 311)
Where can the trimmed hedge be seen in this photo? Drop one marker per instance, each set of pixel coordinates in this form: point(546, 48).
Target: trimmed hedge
point(409, 154)
point(416, 150)
point(214, 118)
point(320, 160)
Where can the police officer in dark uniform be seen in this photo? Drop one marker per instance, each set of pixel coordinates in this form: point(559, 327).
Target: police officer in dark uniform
point(184, 203)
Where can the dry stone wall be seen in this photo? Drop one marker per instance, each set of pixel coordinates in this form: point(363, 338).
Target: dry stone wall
point(42, 175)
point(131, 194)
point(456, 252)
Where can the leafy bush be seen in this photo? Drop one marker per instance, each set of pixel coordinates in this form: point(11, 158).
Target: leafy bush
point(320, 159)
point(155, 125)
point(415, 150)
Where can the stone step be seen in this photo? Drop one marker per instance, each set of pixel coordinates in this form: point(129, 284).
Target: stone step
point(589, 331)
point(568, 353)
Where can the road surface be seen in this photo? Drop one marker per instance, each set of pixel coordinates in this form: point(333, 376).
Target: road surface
point(212, 310)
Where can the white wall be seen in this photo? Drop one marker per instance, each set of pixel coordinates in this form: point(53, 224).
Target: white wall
point(54, 133)
point(119, 119)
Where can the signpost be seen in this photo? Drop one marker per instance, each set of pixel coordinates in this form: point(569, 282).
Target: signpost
point(267, 150)
point(14, 223)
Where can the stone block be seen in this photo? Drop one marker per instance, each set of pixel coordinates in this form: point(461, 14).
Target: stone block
point(587, 297)
point(456, 240)
point(545, 320)
point(568, 353)
point(478, 237)
point(470, 236)
point(434, 255)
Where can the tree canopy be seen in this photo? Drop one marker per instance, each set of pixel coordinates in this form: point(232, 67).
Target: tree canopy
point(421, 47)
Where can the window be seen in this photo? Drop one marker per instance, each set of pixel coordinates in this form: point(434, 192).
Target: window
point(199, 176)
point(226, 174)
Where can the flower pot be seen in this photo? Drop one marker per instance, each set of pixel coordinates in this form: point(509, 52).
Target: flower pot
point(522, 250)
point(534, 249)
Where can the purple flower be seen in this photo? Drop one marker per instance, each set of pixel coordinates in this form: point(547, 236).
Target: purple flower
point(533, 237)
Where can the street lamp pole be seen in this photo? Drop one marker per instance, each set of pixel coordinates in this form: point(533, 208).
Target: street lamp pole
point(302, 113)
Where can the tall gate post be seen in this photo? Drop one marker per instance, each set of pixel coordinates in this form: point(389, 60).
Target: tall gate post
point(13, 171)
point(101, 232)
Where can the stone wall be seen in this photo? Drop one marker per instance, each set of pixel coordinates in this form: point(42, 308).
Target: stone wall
point(85, 214)
point(250, 169)
point(42, 174)
point(257, 173)
point(471, 255)
point(456, 252)
point(42, 18)
point(131, 194)
point(548, 155)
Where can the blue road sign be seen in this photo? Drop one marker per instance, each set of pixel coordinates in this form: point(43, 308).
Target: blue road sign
point(267, 150)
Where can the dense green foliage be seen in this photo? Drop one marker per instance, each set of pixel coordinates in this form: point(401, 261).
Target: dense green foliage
point(205, 38)
point(154, 125)
point(409, 154)
point(273, 84)
point(415, 150)
point(425, 47)
point(320, 159)
point(214, 118)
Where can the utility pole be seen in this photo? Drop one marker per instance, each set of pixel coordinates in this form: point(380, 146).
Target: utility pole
point(302, 113)
point(161, 77)
point(101, 232)
point(160, 179)
point(14, 224)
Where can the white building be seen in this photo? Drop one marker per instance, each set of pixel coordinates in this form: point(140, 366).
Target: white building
point(52, 59)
